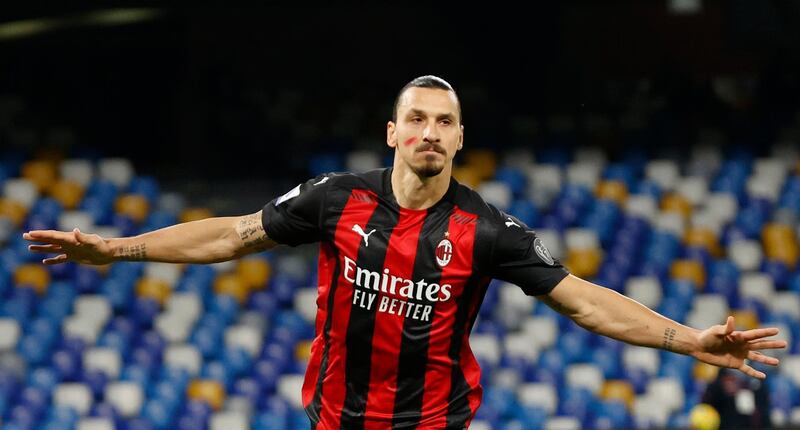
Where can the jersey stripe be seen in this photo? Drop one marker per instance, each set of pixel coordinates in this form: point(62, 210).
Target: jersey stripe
point(385, 347)
point(371, 256)
point(331, 382)
point(414, 345)
point(439, 363)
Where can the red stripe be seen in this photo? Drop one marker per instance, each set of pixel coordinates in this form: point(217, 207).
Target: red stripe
point(327, 262)
point(400, 257)
point(358, 210)
point(469, 365)
point(439, 366)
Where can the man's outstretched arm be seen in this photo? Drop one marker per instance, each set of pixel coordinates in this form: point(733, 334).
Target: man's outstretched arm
point(606, 312)
point(204, 241)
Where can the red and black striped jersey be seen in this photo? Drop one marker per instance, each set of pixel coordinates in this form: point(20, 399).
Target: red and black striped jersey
point(399, 290)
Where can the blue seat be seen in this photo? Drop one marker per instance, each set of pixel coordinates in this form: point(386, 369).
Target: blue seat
point(100, 208)
point(576, 402)
point(780, 273)
point(146, 186)
point(96, 380)
point(87, 279)
point(516, 180)
point(610, 414)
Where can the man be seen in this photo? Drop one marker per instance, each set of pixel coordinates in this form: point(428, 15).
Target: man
point(406, 254)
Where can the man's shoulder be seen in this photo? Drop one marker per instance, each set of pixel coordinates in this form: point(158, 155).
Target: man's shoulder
point(371, 179)
point(469, 200)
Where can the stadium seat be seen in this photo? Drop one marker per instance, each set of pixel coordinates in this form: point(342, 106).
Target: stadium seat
point(207, 391)
point(640, 357)
point(584, 375)
point(118, 171)
point(645, 290)
point(665, 173)
point(73, 395)
point(620, 390)
point(538, 394)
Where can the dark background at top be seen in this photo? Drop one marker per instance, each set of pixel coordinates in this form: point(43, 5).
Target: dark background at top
point(185, 96)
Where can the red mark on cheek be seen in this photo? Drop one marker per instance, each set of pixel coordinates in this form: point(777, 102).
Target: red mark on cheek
point(410, 141)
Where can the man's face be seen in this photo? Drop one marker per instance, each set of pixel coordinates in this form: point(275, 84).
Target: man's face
point(428, 131)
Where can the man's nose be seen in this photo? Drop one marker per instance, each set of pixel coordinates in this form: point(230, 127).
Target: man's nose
point(430, 134)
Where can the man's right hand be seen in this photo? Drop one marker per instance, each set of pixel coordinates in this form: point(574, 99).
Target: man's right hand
point(70, 246)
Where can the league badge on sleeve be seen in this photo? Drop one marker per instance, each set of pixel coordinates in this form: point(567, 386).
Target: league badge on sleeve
point(542, 252)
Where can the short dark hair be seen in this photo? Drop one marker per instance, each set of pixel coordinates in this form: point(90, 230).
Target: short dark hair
point(427, 81)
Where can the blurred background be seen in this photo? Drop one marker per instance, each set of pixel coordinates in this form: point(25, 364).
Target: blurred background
point(652, 145)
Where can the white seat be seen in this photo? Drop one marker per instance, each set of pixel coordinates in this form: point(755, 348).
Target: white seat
point(778, 417)
point(538, 394)
point(545, 182)
point(7, 228)
point(650, 412)
point(642, 206)
point(480, 425)
point(171, 202)
point(638, 357)
point(172, 327)
point(117, 170)
point(794, 417)
point(756, 285)
point(581, 238)
point(94, 306)
point(506, 378)
point(693, 188)
point(552, 240)
point(77, 170)
point(292, 265)
point(73, 395)
point(126, 397)
point(186, 305)
point(764, 187)
point(496, 193)
point(584, 375)
point(520, 345)
point(486, 346)
point(253, 319)
point(167, 272)
point(362, 160)
point(183, 357)
point(669, 390)
point(21, 190)
point(69, 220)
point(586, 173)
point(512, 297)
point(562, 423)
point(670, 222)
point(289, 388)
point(746, 254)
point(106, 360)
point(229, 420)
point(10, 333)
point(665, 173)
point(705, 159)
point(786, 303)
point(245, 337)
point(724, 206)
point(773, 168)
point(593, 155)
point(790, 366)
point(83, 327)
point(305, 303)
point(645, 290)
point(240, 404)
point(541, 331)
point(95, 423)
point(704, 218)
point(708, 310)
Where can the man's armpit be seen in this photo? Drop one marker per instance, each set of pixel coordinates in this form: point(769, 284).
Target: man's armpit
point(251, 231)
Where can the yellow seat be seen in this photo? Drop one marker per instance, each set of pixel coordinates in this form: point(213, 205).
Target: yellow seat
point(780, 243)
point(13, 210)
point(673, 202)
point(704, 417)
point(233, 285)
point(68, 193)
point(194, 214)
point(303, 350)
point(484, 162)
point(43, 173)
point(208, 391)
point(617, 389)
point(745, 319)
point(468, 176)
point(703, 238)
point(32, 275)
point(787, 254)
point(254, 272)
point(615, 191)
point(153, 288)
point(690, 270)
point(584, 262)
point(134, 206)
point(704, 372)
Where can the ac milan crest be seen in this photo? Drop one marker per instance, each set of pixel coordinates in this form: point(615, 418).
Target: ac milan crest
point(444, 252)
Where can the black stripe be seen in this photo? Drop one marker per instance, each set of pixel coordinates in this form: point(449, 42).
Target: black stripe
point(360, 328)
point(459, 412)
point(416, 333)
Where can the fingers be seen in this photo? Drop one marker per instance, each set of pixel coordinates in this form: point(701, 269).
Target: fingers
point(45, 248)
point(759, 333)
point(50, 236)
point(761, 358)
point(749, 371)
point(55, 260)
point(729, 325)
point(767, 344)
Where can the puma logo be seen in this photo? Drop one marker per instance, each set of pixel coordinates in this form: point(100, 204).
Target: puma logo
point(511, 222)
point(322, 181)
point(357, 228)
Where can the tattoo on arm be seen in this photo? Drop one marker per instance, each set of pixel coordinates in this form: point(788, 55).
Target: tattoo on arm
point(251, 231)
point(135, 252)
point(669, 336)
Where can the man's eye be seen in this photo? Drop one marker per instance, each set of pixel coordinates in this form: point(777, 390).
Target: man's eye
point(416, 119)
point(446, 122)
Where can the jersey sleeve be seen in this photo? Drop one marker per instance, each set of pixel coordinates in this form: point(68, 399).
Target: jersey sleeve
point(295, 218)
point(521, 258)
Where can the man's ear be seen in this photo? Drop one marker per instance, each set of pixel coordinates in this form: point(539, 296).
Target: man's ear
point(461, 138)
point(391, 135)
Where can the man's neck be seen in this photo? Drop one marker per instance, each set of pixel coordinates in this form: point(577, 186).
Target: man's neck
point(413, 192)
